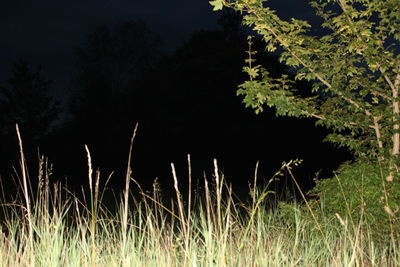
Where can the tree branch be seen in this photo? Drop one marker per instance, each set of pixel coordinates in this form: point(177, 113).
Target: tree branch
point(314, 72)
point(396, 111)
point(377, 129)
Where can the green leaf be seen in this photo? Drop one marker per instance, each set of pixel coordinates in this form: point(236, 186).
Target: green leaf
point(217, 4)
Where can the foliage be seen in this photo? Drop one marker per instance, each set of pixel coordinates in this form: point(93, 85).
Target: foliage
point(363, 193)
point(354, 66)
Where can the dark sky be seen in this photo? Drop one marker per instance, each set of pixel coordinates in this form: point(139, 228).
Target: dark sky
point(46, 32)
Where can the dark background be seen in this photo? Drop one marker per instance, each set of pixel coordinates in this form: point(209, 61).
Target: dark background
point(85, 72)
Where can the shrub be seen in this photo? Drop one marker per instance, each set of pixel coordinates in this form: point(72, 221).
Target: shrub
point(365, 194)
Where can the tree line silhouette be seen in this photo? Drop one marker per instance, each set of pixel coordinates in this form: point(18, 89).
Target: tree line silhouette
point(185, 103)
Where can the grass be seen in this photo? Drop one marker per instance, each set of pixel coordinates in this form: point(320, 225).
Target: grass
point(209, 228)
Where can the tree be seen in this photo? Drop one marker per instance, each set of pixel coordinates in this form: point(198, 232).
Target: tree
point(355, 69)
point(111, 63)
point(107, 90)
point(27, 102)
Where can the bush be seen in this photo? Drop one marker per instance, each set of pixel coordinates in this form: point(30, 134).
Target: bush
point(363, 194)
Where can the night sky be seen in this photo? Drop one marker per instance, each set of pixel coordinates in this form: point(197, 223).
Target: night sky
point(47, 33)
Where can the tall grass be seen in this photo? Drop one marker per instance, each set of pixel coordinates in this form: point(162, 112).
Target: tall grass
point(209, 228)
